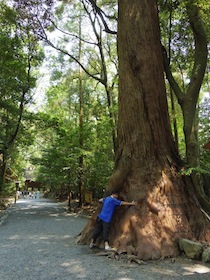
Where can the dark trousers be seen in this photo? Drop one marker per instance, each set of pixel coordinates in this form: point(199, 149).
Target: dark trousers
point(101, 227)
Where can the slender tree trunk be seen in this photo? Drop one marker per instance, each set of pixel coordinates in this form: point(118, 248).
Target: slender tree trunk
point(81, 115)
point(170, 89)
point(3, 168)
point(188, 100)
point(147, 161)
point(112, 118)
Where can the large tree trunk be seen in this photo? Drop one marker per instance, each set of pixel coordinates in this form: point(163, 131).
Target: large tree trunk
point(147, 161)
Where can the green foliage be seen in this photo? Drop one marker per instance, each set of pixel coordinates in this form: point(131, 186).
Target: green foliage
point(194, 170)
point(57, 163)
point(204, 128)
point(177, 37)
point(204, 135)
point(204, 120)
point(19, 54)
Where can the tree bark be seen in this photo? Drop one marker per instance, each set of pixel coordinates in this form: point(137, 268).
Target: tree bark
point(3, 167)
point(147, 161)
point(81, 126)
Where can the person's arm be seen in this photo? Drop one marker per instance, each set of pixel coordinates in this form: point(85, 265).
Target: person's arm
point(128, 203)
point(100, 200)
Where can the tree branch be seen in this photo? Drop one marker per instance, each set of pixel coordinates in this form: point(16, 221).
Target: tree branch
point(72, 35)
point(201, 49)
point(101, 13)
point(45, 39)
point(177, 90)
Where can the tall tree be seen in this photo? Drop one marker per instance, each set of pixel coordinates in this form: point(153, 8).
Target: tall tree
point(147, 162)
point(81, 122)
point(98, 57)
point(188, 96)
point(94, 62)
point(59, 137)
point(18, 53)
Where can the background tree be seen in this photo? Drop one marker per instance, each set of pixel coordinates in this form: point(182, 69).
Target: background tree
point(89, 48)
point(188, 94)
point(58, 136)
point(99, 55)
point(18, 55)
point(204, 128)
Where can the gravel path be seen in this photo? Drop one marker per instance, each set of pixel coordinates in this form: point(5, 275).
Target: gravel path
point(37, 242)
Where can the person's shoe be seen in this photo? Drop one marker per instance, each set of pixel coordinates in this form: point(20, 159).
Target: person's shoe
point(92, 245)
point(108, 248)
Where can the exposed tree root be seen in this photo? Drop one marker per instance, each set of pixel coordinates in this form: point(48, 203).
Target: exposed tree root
point(132, 258)
point(171, 259)
point(151, 230)
point(121, 256)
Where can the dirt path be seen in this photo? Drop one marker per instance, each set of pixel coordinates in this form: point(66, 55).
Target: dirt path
point(37, 242)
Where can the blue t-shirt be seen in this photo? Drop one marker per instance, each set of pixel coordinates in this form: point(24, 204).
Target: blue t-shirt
point(109, 205)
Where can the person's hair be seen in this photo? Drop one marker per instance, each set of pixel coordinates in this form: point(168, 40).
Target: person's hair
point(115, 192)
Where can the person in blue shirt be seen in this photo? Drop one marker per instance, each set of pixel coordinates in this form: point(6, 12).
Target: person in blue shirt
point(105, 217)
